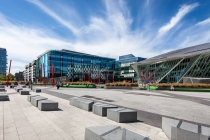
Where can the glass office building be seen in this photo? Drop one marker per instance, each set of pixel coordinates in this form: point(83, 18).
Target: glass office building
point(124, 71)
point(173, 66)
point(75, 65)
point(3, 60)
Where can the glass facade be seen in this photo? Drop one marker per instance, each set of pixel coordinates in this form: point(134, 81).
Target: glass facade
point(3, 60)
point(172, 67)
point(123, 70)
point(77, 66)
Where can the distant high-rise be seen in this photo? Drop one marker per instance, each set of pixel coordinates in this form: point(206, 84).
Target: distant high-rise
point(3, 60)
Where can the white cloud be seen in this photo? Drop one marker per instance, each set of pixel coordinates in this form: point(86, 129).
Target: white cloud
point(108, 36)
point(207, 21)
point(24, 44)
point(175, 20)
point(55, 16)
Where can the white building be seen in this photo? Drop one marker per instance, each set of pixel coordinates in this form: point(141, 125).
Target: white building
point(30, 72)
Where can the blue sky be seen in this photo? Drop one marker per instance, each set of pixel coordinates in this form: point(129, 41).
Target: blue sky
point(109, 28)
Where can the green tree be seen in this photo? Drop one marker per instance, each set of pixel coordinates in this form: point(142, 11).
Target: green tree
point(2, 77)
point(12, 77)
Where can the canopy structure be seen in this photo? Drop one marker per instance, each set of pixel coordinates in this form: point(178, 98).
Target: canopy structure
point(171, 67)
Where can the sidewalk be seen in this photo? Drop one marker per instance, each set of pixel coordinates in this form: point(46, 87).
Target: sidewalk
point(20, 120)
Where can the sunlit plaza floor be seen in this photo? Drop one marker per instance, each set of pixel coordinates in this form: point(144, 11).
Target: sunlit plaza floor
point(21, 120)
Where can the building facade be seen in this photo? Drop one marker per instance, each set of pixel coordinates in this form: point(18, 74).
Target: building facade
point(75, 65)
point(19, 76)
point(3, 61)
point(124, 71)
point(173, 66)
point(30, 72)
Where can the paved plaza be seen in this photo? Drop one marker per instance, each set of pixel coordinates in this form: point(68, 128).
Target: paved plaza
point(19, 120)
point(152, 105)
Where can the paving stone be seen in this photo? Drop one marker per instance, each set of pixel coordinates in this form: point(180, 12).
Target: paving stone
point(122, 115)
point(24, 92)
point(101, 108)
point(30, 96)
point(47, 105)
point(36, 99)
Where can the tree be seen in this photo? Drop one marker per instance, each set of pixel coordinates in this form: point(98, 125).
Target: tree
point(2, 77)
point(12, 77)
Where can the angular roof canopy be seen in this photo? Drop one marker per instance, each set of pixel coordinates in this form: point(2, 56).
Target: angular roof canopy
point(180, 53)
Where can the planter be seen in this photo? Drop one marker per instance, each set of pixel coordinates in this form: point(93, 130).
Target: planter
point(117, 87)
point(78, 86)
point(163, 88)
point(186, 89)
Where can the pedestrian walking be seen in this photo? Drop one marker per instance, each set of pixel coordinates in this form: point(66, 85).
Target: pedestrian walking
point(58, 85)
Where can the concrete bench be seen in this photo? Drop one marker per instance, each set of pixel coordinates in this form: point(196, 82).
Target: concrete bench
point(2, 90)
point(101, 108)
point(122, 115)
point(4, 97)
point(24, 92)
point(82, 103)
point(111, 132)
point(30, 96)
point(23, 86)
point(2, 86)
point(35, 100)
point(18, 89)
point(47, 105)
point(179, 130)
point(37, 90)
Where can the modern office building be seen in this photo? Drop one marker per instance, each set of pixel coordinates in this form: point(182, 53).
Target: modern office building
point(3, 61)
point(77, 66)
point(19, 76)
point(30, 72)
point(124, 71)
point(175, 65)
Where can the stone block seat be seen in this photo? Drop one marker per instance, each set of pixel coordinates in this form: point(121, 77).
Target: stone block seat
point(47, 105)
point(36, 99)
point(18, 89)
point(23, 86)
point(81, 103)
point(4, 97)
point(122, 115)
point(2, 89)
point(101, 108)
point(24, 92)
point(111, 132)
point(30, 96)
point(2, 86)
point(37, 90)
point(180, 130)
